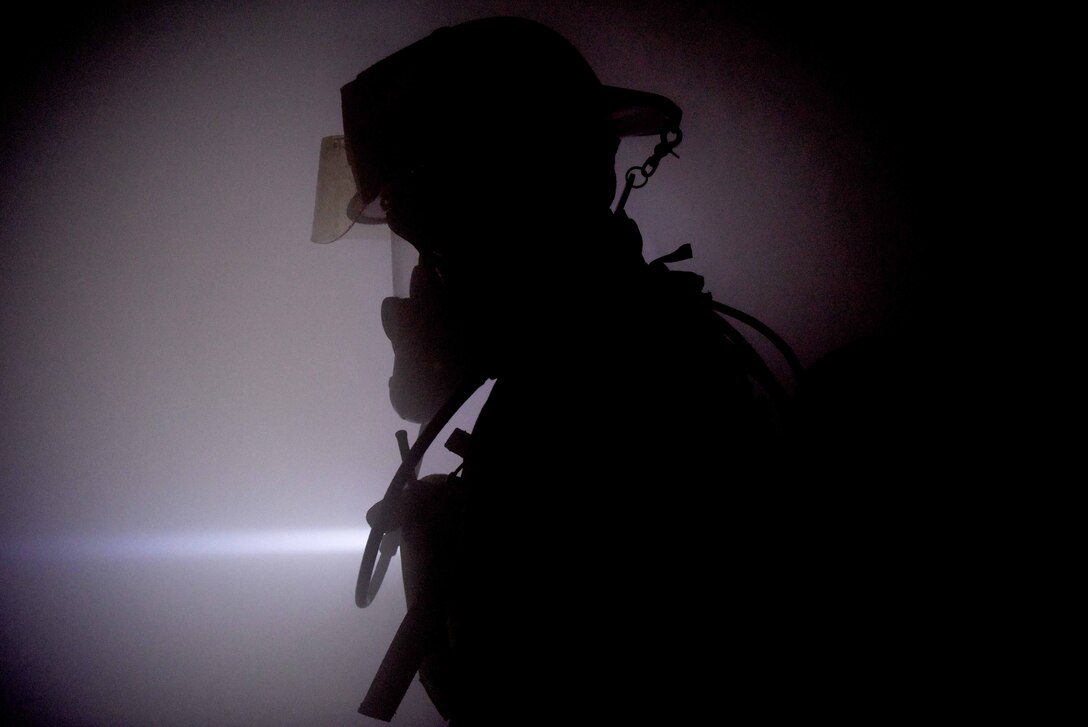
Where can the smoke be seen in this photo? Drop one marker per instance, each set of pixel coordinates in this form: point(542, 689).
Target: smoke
point(195, 411)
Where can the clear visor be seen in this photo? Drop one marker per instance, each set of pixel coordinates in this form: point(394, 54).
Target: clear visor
point(405, 259)
point(339, 213)
point(338, 209)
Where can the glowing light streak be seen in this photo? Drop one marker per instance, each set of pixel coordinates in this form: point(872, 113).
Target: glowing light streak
point(187, 544)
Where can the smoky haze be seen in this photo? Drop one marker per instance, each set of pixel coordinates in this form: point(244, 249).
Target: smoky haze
point(194, 397)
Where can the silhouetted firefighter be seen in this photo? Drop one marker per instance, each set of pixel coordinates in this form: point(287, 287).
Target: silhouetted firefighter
point(618, 546)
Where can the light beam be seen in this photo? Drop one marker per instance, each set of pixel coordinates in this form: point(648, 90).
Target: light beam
point(187, 544)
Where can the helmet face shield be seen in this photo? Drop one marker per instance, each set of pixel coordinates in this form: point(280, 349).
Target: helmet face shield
point(337, 202)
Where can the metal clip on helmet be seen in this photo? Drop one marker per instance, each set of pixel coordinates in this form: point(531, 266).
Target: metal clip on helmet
point(479, 82)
